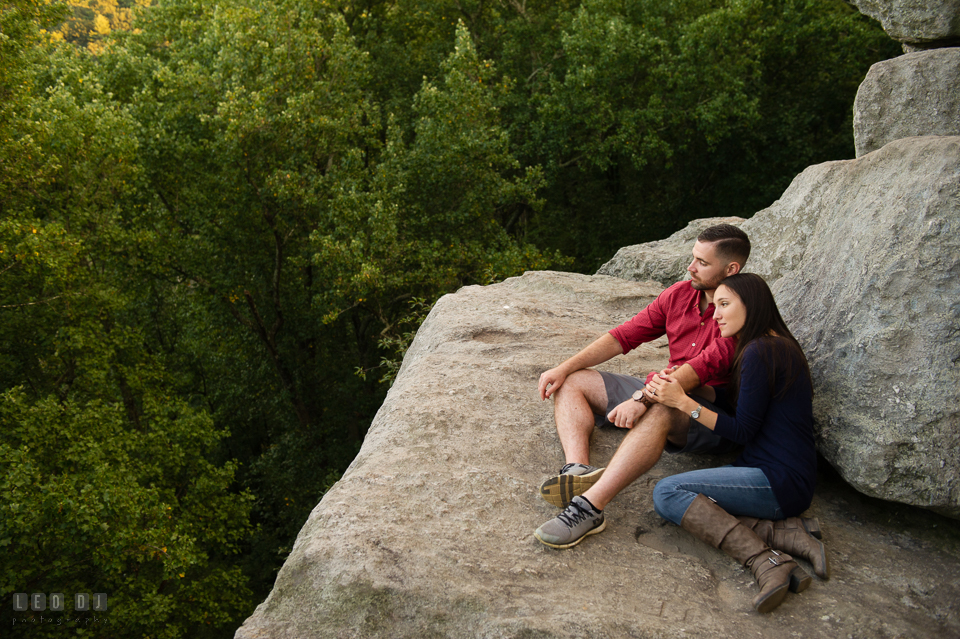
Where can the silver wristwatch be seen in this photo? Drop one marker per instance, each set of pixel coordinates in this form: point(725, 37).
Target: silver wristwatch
point(696, 413)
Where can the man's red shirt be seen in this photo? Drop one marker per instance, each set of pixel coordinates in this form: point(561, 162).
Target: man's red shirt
point(694, 337)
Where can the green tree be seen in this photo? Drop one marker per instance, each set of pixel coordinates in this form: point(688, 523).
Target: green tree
point(458, 186)
point(665, 112)
point(641, 115)
point(255, 132)
point(113, 480)
point(459, 192)
point(273, 194)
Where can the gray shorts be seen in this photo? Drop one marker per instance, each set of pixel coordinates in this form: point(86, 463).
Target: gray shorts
point(700, 439)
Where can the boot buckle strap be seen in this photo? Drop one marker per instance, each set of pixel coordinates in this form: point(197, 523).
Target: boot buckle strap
point(773, 560)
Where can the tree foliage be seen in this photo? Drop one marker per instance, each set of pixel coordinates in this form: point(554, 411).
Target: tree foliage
point(670, 111)
point(113, 477)
point(90, 21)
point(220, 228)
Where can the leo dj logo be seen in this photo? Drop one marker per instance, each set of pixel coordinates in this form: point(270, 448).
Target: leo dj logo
point(55, 602)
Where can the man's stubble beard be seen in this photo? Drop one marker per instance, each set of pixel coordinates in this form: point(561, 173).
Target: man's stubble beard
point(705, 286)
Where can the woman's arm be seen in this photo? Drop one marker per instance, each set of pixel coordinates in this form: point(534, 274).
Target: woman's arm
point(752, 400)
point(670, 393)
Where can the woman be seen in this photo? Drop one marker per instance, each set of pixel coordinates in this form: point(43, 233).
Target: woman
point(774, 476)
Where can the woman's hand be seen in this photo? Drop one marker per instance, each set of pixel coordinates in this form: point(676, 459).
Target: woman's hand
point(669, 392)
point(666, 390)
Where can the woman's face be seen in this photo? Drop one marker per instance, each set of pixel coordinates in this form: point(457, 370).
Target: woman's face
point(729, 312)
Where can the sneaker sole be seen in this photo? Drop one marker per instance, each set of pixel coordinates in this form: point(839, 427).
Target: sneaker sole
point(593, 531)
point(558, 491)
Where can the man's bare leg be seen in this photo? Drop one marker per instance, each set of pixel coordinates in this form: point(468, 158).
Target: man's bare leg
point(582, 394)
point(639, 451)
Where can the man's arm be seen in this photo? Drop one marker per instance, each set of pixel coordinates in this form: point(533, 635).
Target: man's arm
point(604, 348)
point(687, 377)
point(712, 365)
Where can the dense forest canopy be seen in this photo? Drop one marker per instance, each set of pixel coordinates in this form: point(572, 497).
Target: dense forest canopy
point(221, 222)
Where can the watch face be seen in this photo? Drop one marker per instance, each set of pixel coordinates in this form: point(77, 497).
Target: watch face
point(637, 395)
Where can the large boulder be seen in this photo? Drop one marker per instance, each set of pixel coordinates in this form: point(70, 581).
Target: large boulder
point(429, 532)
point(915, 22)
point(914, 94)
point(864, 258)
point(875, 300)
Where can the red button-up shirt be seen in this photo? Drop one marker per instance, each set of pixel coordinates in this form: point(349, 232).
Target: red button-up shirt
point(694, 337)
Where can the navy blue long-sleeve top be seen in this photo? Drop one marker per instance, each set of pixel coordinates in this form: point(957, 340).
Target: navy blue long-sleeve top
point(777, 432)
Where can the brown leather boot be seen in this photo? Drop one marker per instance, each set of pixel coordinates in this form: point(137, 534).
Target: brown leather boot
point(792, 535)
point(771, 568)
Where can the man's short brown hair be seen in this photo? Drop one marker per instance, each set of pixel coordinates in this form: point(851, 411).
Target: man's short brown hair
point(732, 244)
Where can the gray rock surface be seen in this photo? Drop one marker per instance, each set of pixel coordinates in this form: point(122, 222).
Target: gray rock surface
point(875, 301)
point(429, 532)
point(864, 258)
point(917, 22)
point(914, 94)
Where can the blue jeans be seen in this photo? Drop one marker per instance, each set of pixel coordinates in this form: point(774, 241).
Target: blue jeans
point(739, 491)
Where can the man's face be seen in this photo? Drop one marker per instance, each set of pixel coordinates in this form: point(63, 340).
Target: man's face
point(706, 270)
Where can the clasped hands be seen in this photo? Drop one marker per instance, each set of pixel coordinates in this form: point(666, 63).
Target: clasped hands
point(663, 388)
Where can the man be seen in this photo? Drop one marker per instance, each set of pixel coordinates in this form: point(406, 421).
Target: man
point(699, 357)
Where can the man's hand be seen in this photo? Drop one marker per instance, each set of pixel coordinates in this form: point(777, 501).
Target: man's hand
point(667, 371)
point(550, 382)
point(604, 348)
point(627, 414)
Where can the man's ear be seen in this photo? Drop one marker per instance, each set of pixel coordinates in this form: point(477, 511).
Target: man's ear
point(733, 268)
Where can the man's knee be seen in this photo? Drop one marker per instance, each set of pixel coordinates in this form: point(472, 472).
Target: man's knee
point(672, 423)
point(587, 384)
point(582, 379)
point(663, 417)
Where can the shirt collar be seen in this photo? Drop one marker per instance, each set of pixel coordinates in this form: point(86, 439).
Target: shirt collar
point(696, 302)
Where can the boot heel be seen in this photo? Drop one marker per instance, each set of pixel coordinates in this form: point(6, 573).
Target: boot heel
point(799, 580)
point(812, 526)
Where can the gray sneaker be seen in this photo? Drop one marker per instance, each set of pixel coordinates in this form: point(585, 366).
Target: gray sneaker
point(573, 480)
point(569, 528)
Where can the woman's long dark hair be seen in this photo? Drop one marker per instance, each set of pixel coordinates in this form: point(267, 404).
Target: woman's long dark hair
point(779, 349)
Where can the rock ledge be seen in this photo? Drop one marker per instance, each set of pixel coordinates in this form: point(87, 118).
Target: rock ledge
point(429, 532)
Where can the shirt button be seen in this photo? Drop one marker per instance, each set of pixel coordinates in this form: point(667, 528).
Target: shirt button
point(701, 323)
point(694, 344)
